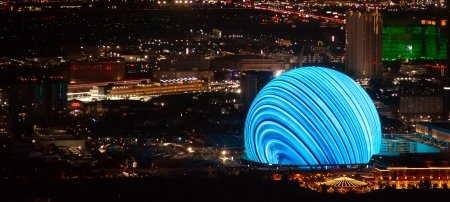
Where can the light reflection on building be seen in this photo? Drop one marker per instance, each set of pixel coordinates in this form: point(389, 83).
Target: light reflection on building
point(158, 88)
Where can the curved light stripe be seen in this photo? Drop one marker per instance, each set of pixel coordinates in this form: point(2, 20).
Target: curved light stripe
point(312, 116)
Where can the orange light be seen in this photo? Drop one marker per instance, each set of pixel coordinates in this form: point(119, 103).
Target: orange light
point(277, 177)
point(75, 104)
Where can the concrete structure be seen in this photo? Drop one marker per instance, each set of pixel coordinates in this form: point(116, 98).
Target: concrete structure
point(28, 97)
point(414, 39)
point(184, 63)
point(205, 75)
point(448, 39)
point(254, 62)
point(395, 144)
point(96, 71)
point(79, 143)
point(421, 107)
point(447, 98)
point(35, 102)
point(263, 64)
point(158, 88)
point(438, 130)
point(408, 170)
point(252, 82)
point(114, 106)
point(4, 112)
point(363, 44)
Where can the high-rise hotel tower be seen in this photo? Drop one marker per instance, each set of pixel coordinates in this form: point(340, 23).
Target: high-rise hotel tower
point(363, 44)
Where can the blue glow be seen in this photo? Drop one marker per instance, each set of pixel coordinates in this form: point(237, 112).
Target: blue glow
point(312, 116)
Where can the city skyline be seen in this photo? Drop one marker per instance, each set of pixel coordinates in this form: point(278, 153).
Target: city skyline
point(224, 100)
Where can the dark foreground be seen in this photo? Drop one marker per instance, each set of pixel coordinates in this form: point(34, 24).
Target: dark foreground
point(193, 189)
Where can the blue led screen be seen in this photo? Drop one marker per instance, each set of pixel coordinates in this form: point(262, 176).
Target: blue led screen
point(312, 116)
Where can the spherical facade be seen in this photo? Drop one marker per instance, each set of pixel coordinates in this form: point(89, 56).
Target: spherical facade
point(312, 116)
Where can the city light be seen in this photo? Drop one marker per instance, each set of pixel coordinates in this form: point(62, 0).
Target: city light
point(278, 73)
point(219, 99)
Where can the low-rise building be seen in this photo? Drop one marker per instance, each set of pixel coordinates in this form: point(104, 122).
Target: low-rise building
point(438, 130)
point(409, 170)
point(171, 86)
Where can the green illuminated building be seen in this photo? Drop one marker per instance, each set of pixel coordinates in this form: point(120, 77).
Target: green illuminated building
point(420, 40)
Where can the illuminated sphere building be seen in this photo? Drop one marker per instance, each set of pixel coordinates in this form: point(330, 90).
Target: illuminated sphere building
point(312, 116)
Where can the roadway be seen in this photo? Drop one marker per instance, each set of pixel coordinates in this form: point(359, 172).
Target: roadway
point(303, 14)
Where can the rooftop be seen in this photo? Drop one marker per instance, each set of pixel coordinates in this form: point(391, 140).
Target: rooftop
point(444, 125)
point(413, 160)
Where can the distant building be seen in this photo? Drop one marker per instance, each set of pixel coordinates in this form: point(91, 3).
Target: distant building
point(129, 106)
point(36, 103)
point(448, 39)
point(227, 33)
point(254, 62)
point(217, 33)
point(421, 107)
point(386, 110)
point(414, 39)
point(419, 69)
point(184, 63)
point(75, 107)
point(319, 54)
point(395, 144)
point(447, 98)
point(252, 82)
point(96, 71)
point(205, 75)
point(363, 44)
point(134, 57)
point(413, 69)
point(63, 142)
point(438, 130)
point(30, 98)
point(407, 170)
point(263, 64)
point(4, 112)
point(165, 87)
point(437, 70)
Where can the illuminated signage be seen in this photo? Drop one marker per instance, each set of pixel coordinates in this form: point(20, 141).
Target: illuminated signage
point(312, 116)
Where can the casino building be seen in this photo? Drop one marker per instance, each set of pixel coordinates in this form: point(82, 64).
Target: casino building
point(408, 170)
